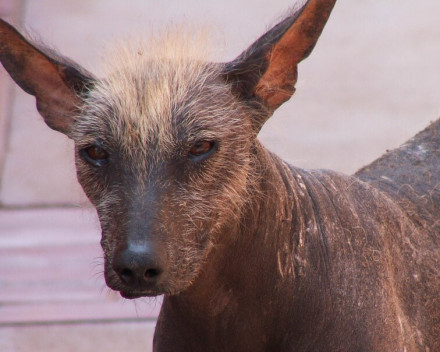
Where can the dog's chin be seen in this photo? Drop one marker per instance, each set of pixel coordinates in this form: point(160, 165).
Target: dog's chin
point(152, 292)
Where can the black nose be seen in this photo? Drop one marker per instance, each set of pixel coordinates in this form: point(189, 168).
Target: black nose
point(138, 266)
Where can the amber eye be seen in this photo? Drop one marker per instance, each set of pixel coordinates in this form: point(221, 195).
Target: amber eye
point(95, 155)
point(201, 149)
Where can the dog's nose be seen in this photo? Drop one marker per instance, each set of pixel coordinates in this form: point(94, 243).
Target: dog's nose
point(138, 266)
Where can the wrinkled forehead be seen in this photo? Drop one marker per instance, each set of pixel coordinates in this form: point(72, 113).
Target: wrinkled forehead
point(147, 103)
point(158, 93)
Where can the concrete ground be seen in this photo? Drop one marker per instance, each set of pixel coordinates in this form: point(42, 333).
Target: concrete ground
point(371, 83)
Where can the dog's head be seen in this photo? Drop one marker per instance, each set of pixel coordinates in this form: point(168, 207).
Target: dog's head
point(162, 153)
point(165, 141)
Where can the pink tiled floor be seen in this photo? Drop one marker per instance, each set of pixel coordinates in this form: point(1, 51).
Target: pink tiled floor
point(109, 336)
point(51, 280)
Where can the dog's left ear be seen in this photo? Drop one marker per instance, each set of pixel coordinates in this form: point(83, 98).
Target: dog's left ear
point(56, 83)
point(265, 74)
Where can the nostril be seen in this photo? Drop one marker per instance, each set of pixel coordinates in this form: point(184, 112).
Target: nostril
point(152, 273)
point(127, 275)
point(132, 276)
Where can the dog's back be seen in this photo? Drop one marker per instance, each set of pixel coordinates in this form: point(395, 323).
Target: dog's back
point(410, 175)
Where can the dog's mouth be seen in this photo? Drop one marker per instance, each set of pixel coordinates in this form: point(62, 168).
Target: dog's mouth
point(137, 291)
point(137, 294)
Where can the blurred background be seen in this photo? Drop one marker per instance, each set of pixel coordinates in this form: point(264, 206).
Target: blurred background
point(371, 83)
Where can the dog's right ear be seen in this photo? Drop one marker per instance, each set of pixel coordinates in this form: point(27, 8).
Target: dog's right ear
point(265, 74)
point(57, 86)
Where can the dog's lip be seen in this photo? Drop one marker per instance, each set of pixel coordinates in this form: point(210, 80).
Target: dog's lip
point(137, 294)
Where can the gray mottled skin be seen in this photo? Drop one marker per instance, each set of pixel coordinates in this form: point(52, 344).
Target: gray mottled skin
point(411, 176)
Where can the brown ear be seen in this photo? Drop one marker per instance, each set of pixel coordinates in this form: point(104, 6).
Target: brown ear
point(266, 72)
point(57, 85)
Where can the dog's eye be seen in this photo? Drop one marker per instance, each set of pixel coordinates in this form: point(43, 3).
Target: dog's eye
point(95, 155)
point(201, 149)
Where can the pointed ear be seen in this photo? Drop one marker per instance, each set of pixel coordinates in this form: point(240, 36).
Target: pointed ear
point(265, 74)
point(56, 83)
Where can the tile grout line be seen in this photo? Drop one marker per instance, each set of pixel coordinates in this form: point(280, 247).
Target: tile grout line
point(77, 322)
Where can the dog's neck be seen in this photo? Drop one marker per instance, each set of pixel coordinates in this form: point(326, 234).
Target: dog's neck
point(261, 258)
